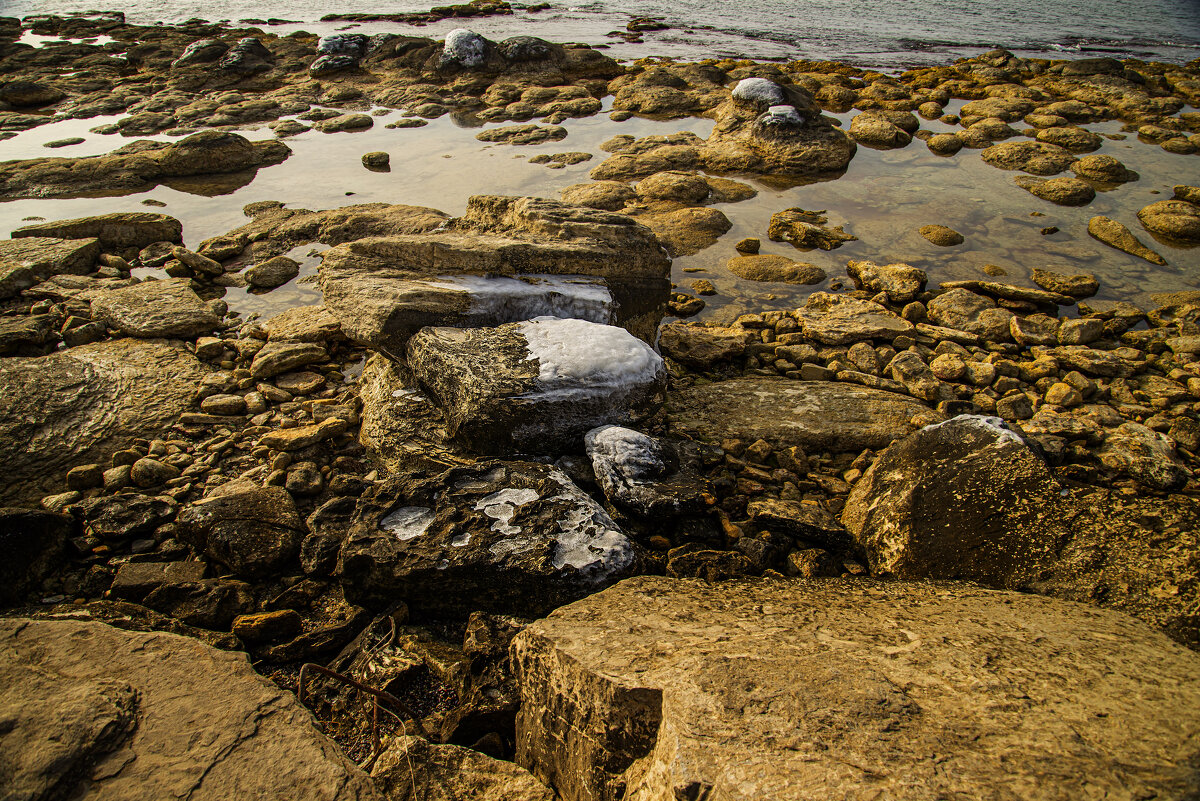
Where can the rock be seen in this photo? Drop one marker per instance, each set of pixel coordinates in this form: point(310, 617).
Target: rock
point(29, 94)
point(1038, 158)
point(604, 195)
point(116, 231)
point(1081, 285)
point(1116, 235)
point(808, 521)
point(840, 320)
point(775, 268)
point(786, 138)
point(44, 256)
point(247, 57)
point(1145, 455)
point(272, 272)
point(642, 474)
point(1034, 329)
point(97, 712)
point(345, 122)
point(944, 144)
point(941, 236)
point(254, 531)
point(685, 232)
point(964, 310)
point(1104, 169)
point(536, 386)
point(901, 282)
point(463, 49)
point(135, 580)
point(303, 324)
point(815, 415)
point(523, 134)
point(138, 165)
point(1063, 191)
point(1173, 219)
point(857, 672)
point(1093, 362)
point(33, 543)
point(377, 160)
point(26, 331)
point(1080, 331)
point(202, 51)
point(1188, 194)
point(1074, 140)
point(283, 357)
point(294, 439)
point(702, 346)
point(806, 229)
point(126, 516)
point(147, 472)
point(413, 768)
point(153, 309)
point(916, 376)
point(14, 279)
point(204, 603)
point(505, 536)
point(877, 131)
point(281, 624)
point(223, 404)
point(84, 404)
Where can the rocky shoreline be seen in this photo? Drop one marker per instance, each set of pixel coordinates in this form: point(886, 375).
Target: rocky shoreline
point(505, 527)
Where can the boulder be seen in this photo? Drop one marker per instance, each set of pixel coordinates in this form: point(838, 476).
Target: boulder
point(1063, 191)
point(116, 231)
point(940, 235)
point(839, 320)
point(1147, 456)
point(901, 282)
point(1172, 219)
point(778, 269)
point(412, 768)
point(497, 536)
point(536, 386)
point(155, 309)
point(642, 474)
point(47, 256)
point(84, 404)
point(254, 531)
point(661, 688)
point(806, 229)
point(703, 346)
point(1037, 158)
point(815, 415)
point(1103, 169)
point(399, 421)
point(877, 131)
point(1114, 234)
point(754, 133)
point(964, 310)
point(95, 712)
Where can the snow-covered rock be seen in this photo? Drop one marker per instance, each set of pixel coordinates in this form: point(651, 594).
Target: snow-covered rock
point(498, 536)
point(536, 386)
point(642, 474)
point(760, 92)
point(464, 48)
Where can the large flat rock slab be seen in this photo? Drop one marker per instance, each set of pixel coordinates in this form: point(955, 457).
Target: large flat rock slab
point(85, 403)
point(822, 415)
point(94, 712)
point(46, 255)
point(121, 229)
point(852, 689)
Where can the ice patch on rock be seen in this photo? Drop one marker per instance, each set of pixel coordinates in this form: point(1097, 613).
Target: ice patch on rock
point(624, 452)
point(759, 91)
point(588, 540)
point(505, 300)
point(463, 47)
point(502, 505)
point(461, 540)
point(407, 522)
point(578, 358)
point(782, 115)
point(991, 425)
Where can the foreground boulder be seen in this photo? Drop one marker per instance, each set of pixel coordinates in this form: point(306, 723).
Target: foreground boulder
point(970, 499)
point(536, 386)
point(84, 404)
point(252, 530)
point(94, 712)
point(413, 768)
point(500, 536)
point(835, 688)
point(818, 415)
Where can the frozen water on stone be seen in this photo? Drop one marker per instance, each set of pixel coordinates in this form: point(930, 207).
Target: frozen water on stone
point(504, 299)
point(580, 358)
point(630, 453)
point(463, 47)
point(588, 539)
point(406, 393)
point(502, 505)
point(461, 540)
point(991, 425)
point(782, 115)
point(407, 522)
point(759, 91)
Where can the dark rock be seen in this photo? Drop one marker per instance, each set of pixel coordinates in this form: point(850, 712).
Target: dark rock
point(135, 580)
point(32, 543)
point(254, 531)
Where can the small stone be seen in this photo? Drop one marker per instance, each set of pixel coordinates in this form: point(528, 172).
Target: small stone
point(85, 476)
point(223, 404)
point(303, 383)
point(147, 472)
point(376, 160)
point(294, 439)
point(748, 246)
point(1061, 394)
point(1081, 331)
point(268, 626)
point(941, 236)
point(703, 287)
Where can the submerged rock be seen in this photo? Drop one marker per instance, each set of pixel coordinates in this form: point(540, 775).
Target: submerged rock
point(794, 688)
point(98, 712)
point(1038, 158)
point(1063, 191)
point(536, 386)
point(806, 229)
point(497, 536)
point(941, 235)
point(775, 268)
point(1173, 219)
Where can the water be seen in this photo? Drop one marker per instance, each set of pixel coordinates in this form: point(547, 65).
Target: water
point(889, 35)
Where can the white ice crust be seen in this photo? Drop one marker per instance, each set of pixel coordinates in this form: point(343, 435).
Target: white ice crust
point(464, 47)
point(407, 522)
point(503, 299)
point(584, 359)
point(759, 91)
point(587, 539)
point(502, 505)
point(623, 451)
point(782, 115)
